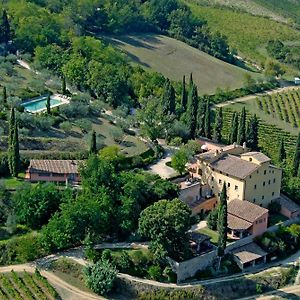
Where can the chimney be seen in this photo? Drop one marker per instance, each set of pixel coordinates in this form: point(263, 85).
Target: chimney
point(234, 145)
point(244, 146)
point(216, 152)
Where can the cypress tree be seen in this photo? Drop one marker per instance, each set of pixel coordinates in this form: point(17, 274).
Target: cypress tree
point(252, 133)
point(48, 104)
point(241, 137)
point(234, 128)
point(222, 222)
point(192, 107)
point(207, 120)
point(296, 160)
point(168, 98)
point(191, 81)
point(218, 126)
point(281, 151)
point(13, 145)
point(93, 146)
point(183, 96)
point(64, 86)
point(4, 95)
point(201, 117)
point(4, 28)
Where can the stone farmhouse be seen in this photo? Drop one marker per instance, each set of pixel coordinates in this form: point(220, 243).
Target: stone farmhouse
point(58, 171)
point(248, 175)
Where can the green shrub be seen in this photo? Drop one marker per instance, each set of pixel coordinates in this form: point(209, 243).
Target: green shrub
point(123, 262)
point(106, 254)
point(100, 277)
point(155, 272)
point(21, 249)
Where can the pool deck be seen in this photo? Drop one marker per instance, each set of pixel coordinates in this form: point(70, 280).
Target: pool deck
point(64, 100)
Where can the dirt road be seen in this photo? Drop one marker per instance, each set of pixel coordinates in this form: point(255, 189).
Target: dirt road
point(254, 96)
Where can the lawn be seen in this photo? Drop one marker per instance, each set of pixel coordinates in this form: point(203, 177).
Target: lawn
point(245, 32)
point(214, 235)
point(174, 59)
point(11, 183)
point(211, 233)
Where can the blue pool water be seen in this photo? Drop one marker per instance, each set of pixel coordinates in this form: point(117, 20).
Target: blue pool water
point(40, 104)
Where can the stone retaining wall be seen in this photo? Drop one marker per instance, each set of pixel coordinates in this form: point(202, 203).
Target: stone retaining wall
point(189, 268)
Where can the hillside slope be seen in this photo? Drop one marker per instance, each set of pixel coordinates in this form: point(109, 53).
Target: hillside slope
point(174, 59)
point(287, 8)
point(245, 32)
point(253, 7)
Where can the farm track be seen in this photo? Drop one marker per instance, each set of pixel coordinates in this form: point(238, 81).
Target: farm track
point(254, 96)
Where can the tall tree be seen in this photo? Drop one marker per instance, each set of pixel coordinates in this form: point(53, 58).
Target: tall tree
point(48, 104)
point(166, 224)
point(241, 137)
point(222, 223)
point(13, 145)
point(218, 126)
point(93, 146)
point(281, 151)
point(4, 28)
point(191, 83)
point(201, 116)
point(168, 98)
point(252, 133)
point(64, 86)
point(4, 95)
point(183, 96)
point(207, 121)
point(234, 128)
point(296, 160)
point(192, 107)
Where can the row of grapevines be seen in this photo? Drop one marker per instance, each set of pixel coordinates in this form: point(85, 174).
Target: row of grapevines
point(45, 282)
point(21, 285)
point(8, 286)
point(37, 290)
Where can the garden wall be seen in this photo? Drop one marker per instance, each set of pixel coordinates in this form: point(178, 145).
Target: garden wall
point(189, 268)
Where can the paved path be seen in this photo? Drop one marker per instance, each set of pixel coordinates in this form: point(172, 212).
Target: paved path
point(160, 168)
point(200, 225)
point(254, 96)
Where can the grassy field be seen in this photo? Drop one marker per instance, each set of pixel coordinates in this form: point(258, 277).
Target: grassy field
point(254, 7)
point(245, 32)
point(287, 8)
point(26, 286)
point(280, 110)
point(175, 59)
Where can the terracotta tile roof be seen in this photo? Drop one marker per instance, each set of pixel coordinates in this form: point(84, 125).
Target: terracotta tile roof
point(258, 156)
point(249, 253)
point(54, 166)
point(288, 204)
point(236, 223)
point(234, 166)
point(245, 210)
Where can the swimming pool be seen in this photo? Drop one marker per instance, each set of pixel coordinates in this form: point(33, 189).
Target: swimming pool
point(39, 105)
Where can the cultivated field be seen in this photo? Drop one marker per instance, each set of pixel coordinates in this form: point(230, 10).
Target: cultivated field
point(280, 110)
point(26, 286)
point(245, 32)
point(175, 59)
